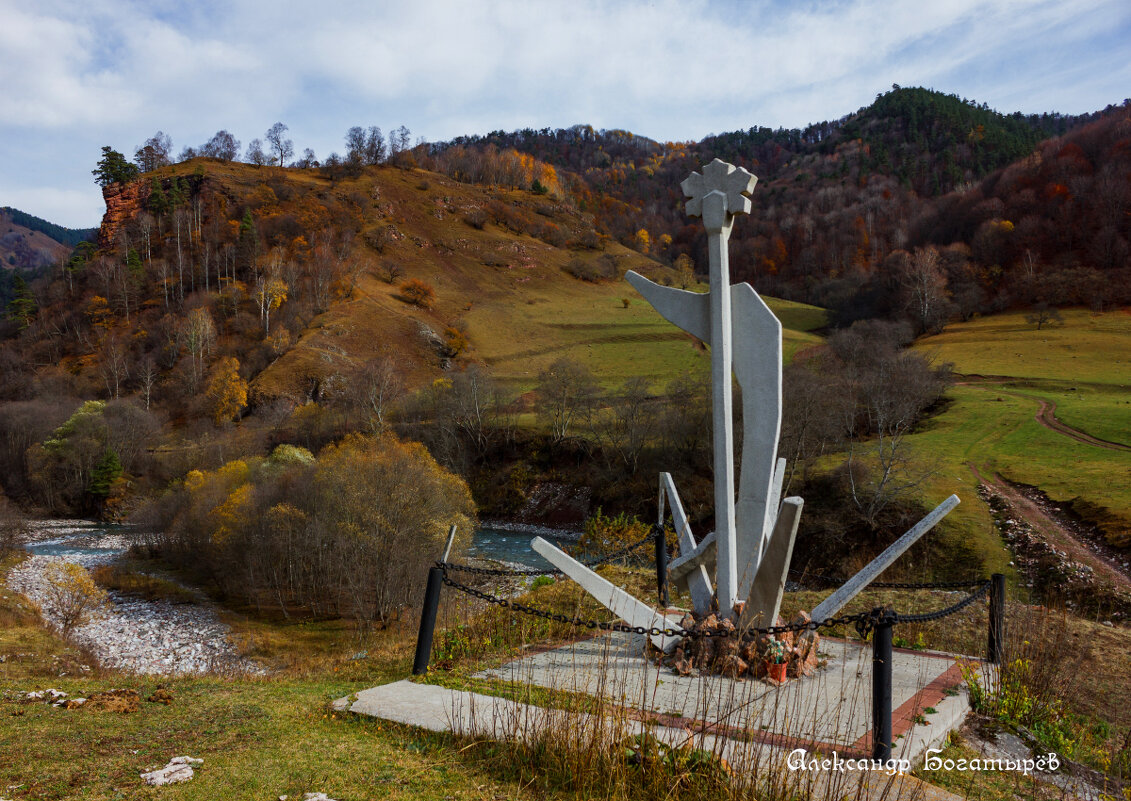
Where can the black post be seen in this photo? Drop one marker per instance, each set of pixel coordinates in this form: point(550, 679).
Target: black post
point(881, 690)
point(428, 621)
point(996, 641)
point(661, 566)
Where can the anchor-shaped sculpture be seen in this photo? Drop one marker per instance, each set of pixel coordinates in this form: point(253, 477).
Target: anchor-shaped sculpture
point(751, 546)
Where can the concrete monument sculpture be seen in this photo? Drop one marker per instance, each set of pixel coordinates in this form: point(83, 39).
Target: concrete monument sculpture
point(750, 549)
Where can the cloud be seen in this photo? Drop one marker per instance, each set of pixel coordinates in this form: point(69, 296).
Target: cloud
point(118, 70)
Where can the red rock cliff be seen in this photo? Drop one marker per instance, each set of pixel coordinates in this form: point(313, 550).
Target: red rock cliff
point(123, 202)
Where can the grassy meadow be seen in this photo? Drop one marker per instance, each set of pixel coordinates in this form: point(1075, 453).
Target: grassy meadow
point(1006, 369)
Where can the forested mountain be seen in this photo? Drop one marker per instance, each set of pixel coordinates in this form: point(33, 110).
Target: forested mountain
point(65, 236)
point(843, 207)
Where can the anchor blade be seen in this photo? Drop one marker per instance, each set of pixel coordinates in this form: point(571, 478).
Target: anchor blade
point(757, 366)
point(687, 310)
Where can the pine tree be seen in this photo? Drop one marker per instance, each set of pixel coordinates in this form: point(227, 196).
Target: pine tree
point(113, 168)
point(104, 474)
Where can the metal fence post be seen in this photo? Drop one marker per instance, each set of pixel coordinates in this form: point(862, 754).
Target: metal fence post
point(661, 566)
point(428, 621)
point(995, 646)
point(881, 689)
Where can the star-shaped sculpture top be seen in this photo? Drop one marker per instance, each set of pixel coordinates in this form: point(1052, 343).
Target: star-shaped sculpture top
point(734, 183)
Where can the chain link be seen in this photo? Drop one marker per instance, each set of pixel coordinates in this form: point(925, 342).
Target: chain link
point(863, 622)
point(950, 610)
point(494, 571)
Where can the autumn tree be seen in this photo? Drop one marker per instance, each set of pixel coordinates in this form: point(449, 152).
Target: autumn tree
point(71, 596)
point(418, 293)
point(685, 271)
point(270, 294)
point(227, 391)
point(154, 153)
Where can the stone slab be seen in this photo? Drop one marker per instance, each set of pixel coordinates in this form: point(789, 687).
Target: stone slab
point(764, 599)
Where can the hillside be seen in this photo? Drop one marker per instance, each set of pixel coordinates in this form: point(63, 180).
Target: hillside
point(22, 248)
point(296, 288)
point(840, 202)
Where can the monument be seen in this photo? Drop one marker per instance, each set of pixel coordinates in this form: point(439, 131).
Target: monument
point(750, 550)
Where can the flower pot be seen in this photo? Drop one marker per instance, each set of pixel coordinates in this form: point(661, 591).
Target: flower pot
point(776, 670)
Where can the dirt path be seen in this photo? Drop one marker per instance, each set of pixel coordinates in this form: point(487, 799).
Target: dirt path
point(1077, 540)
point(1046, 412)
point(1046, 416)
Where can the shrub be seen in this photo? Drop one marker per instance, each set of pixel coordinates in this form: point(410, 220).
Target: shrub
point(418, 293)
point(476, 218)
point(72, 597)
point(455, 341)
point(350, 533)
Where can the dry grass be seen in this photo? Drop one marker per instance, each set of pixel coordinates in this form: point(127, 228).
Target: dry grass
point(141, 585)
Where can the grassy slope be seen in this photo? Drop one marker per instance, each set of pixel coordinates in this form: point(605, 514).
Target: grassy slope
point(521, 314)
point(1083, 366)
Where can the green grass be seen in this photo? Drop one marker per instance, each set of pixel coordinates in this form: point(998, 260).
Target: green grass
point(1088, 347)
point(589, 323)
point(1084, 367)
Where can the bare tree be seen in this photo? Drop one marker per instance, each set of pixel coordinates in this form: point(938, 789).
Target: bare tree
point(1043, 314)
point(374, 146)
point(623, 427)
point(115, 365)
point(222, 145)
point(566, 391)
point(255, 154)
point(355, 145)
point(154, 153)
point(147, 377)
point(281, 147)
point(923, 283)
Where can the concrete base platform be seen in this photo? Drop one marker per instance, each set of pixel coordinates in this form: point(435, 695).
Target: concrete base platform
point(441, 709)
point(828, 711)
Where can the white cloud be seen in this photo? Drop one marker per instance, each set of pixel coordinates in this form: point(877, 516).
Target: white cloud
point(118, 70)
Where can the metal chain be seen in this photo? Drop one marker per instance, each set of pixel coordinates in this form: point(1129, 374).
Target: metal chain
point(863, 622)
point(950, 610)
point(489, 571)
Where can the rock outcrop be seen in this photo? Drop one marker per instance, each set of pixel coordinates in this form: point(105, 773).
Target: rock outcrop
point(123, 203)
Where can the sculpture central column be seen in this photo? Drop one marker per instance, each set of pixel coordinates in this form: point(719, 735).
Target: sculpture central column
point(717, 223)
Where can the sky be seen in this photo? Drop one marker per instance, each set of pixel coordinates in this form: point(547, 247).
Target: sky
point(79, 75)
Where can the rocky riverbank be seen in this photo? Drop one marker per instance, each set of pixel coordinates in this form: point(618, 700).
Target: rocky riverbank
point(151, 637)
